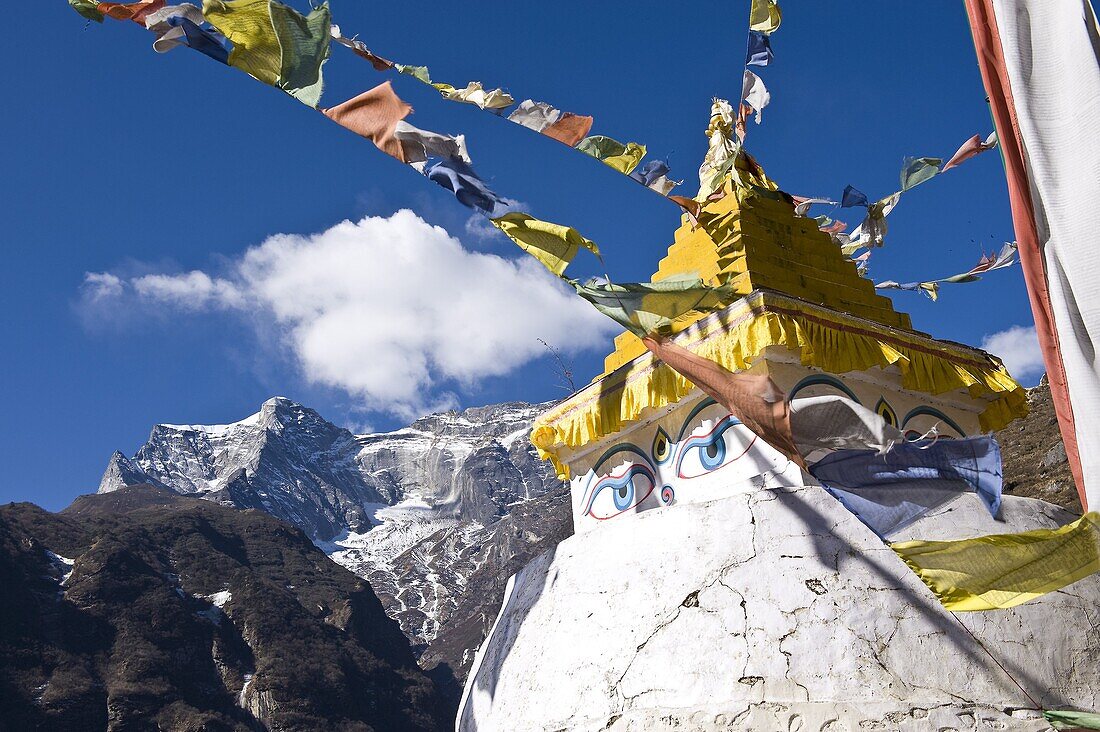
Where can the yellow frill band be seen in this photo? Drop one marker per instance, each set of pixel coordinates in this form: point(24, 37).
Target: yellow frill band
point(733, 337)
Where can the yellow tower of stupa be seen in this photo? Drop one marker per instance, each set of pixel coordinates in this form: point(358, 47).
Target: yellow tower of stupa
point(798, 311)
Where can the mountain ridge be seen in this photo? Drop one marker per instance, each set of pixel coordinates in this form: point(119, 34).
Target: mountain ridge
point(453, 501)
point(144, 609)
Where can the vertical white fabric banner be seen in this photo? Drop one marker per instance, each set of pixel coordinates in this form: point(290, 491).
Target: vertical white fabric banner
point(1052, 58)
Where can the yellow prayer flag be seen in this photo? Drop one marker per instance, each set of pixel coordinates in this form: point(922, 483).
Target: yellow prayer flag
point(552, 244)
point(611, 152)
point(765, 16)
point(474, 93)
point(248, 24)
point(1005, 570)
point(628, 160)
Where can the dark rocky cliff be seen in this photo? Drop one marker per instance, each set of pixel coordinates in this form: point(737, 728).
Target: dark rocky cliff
point(141, 609)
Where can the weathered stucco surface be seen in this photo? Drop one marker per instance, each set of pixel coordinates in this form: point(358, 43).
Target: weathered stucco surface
point(774, 610)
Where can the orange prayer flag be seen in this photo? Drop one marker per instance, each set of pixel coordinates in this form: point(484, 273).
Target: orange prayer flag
point(570, 129)
point(753, 399)
point(131, 11)
point(374, 115)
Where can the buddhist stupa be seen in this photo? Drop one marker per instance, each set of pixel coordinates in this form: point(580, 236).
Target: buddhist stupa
point(711, 584)
point(801, 313)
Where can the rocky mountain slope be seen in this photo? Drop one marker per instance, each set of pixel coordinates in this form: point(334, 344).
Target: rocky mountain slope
point(432, 515)
point(1035, 463)
point(142, 609)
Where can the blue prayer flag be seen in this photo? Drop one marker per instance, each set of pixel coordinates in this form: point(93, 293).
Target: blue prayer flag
point(458, 177)
point(853, 197)
point(209, 42)
point(760, 49)
point(650, 172)
point(890, 491)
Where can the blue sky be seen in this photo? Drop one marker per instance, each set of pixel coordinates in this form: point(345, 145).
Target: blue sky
point(129, 163)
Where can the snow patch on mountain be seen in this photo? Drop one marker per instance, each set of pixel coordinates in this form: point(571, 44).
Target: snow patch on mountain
point(409, 510)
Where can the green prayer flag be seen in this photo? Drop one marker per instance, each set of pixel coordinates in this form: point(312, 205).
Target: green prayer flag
point(87, 8)
point(918, 170)
point(1073, 720)
point(305, 42)
point(417, 72)
point(275, 43)
point(644, 308)
point(552, 244)
point(623, 158)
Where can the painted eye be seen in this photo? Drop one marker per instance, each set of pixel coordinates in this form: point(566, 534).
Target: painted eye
point(621, 491)
point(721, 445)
point(662, 447)
point(884, 410)
point(712, 455)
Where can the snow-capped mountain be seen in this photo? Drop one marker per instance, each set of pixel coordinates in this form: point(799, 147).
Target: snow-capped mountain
point(413, 511)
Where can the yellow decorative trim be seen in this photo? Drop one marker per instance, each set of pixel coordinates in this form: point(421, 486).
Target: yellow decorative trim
point(735, 336)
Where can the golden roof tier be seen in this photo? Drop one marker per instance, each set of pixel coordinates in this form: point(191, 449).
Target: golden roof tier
point(752, 240)
point(800, 312)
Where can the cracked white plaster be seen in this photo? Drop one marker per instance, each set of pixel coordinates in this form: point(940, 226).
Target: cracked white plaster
point(772, 611)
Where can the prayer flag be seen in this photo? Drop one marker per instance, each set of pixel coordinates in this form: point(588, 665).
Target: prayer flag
point(184, 25)
point(569, 129)
point(690, 205)
point(754, 93)
point(1073, 720)
point(888, 491)
point(374, 114)
point(275, 43)
point(458, 177)
point(918, 170)
point(88, 9)
point(535, 115)
point(552, 244)
point(760, 50)
point(833, 422)
point(651, 172)
point(802, 204)
point(305, 44)
point(361, 50)
point(247, 23)
point(647, 307)
point(130, 11)
point(417, 72)
point(203, 40)
point(476, 95)
point(853, 197)
point(974, 146)
point(930, 288)
point(752, 398)
point(418, 145)
point(157, 21)
point(611, 152)
point(1006, 258)
point(1005, 570)
point(765, 16)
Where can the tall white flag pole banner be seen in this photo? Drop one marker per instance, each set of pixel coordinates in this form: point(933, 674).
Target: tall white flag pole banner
point(1040, 62)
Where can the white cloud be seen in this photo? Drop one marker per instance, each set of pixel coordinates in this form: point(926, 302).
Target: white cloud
point(480, 229)
point(1018, 347)
point(190, 291)
point(392, 310)
point(101, 286)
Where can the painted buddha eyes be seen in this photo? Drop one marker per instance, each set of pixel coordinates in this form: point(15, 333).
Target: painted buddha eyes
point(720, 446)
point(662, 447)
point(626, 487)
